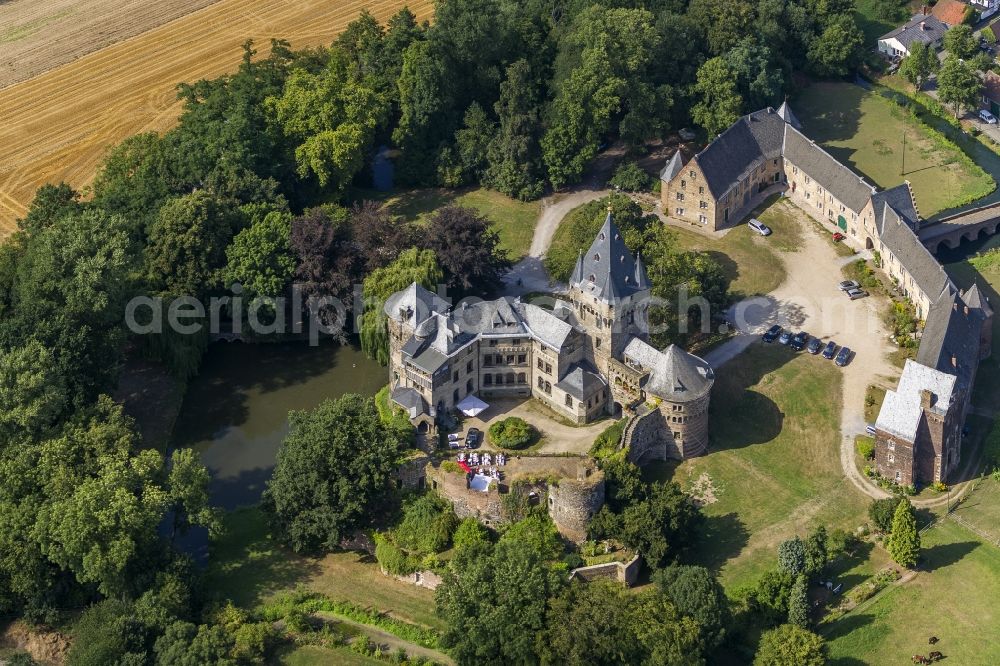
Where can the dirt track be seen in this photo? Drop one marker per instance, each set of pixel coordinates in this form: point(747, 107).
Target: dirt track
point(58, 125)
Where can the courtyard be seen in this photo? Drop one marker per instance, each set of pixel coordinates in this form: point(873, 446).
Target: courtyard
point(783, 421)
point(557, 436)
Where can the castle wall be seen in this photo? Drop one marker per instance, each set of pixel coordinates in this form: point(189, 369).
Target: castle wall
point(623, 572)
point(454, 487)
point(573, 503)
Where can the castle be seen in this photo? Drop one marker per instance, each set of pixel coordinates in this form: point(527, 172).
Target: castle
point(584, 358)
point(918, 430)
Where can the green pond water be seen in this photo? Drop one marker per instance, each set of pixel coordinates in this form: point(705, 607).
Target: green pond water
point(235, 412)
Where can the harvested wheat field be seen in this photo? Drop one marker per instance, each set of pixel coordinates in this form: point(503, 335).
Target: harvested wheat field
point(58, 125)
point(39, 35)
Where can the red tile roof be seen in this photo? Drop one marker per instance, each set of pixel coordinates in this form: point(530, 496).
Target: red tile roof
point(951, 12)
point(991, 87)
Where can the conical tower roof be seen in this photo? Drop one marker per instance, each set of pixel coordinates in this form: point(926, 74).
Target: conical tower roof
point(607, 270)
point(786, 114)
point(974, 298)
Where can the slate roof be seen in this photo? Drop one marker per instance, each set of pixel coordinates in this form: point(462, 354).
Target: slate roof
point(413, 305)
point(848, 187)
point(607, 270)
point(950, 340)
point(927, 273)
point(545, 326)
point(491, 318)
point(975, 298)
point(902, 408)
point(911, 31)
point(410, 400)
point(582, 381)
point(786, 114)
point(674, 374)
point(673, 167)
point(900, 199)
point(754, 136)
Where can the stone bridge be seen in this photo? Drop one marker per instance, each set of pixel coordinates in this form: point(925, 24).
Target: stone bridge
point(969, 225)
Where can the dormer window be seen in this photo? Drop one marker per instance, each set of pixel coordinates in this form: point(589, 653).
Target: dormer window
point(592, 278)
point(597, 256)
point(602, 236)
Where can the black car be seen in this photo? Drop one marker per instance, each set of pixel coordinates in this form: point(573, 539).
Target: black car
point(772, 334)
point(472, 438)
point(814, 346)
point(799, 341)
point(830, 350)
point(844, 357)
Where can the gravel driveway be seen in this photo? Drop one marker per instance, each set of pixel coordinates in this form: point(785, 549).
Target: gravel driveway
point(810, 300)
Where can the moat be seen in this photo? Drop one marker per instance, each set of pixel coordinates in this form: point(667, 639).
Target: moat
point(235, 412)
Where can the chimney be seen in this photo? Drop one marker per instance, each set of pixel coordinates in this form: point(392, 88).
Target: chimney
point(966, 310)
point(926, 399)
point(954, 361)
point(923, 25)
point(925, 10)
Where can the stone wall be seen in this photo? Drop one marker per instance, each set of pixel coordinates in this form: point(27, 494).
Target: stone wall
point(411, 473)
point(426, 579)
point(623, 572)
point(573, 502)
point(454, 487)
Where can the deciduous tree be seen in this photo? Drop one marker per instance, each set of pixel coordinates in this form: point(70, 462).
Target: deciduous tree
point(333, 472)
point(698, 595)
point(789, 645)
point(468, 249)
point(719, 102)
point(919, 65)
point(958, 84)
point(960, 42)
point(798, 602)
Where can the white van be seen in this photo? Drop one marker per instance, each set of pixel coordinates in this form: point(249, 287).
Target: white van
point(987, 117)
point(759, 227)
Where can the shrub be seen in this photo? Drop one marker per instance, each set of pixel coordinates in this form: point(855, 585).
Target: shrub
point(427, 525)
point(391, 557)
point(607, 442)
point(865, 446)
point(881, 511)
point(631, 178)
point(939, 487)
point(511, 433)
point(452, 467)
point(470, 534)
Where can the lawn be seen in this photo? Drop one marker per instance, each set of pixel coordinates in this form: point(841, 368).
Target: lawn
point(773, 462)
point(953, 598)
point(514, 220)
point(865, 131)
point(247, 566)
point(749, 261)
point(871, 24)
point(981, 509)
point(984, 270)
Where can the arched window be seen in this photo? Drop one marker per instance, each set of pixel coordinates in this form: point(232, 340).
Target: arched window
point(522, 378)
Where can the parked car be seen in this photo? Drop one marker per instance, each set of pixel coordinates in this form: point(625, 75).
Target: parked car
point(759, 227)
point(837, 237)
point(849, 284)
point(870, 429)
point(830, 350)
point(844, 357)
point(987, 117)
point(800, 340)
point(772, 334)
point(814, 346)
point(472, 438)
point(786, 337)
point(855, 294)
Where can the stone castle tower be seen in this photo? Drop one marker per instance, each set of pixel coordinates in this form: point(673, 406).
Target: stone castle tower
point(608, 290)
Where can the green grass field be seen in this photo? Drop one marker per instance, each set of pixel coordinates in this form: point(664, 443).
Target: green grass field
point(871, 24)
point(773, 461)
point(985, 271)
point(981, 508)
point(865, 131)
point(247, 566)
point(954, 597)
point(314, 655)
point(514, 220)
